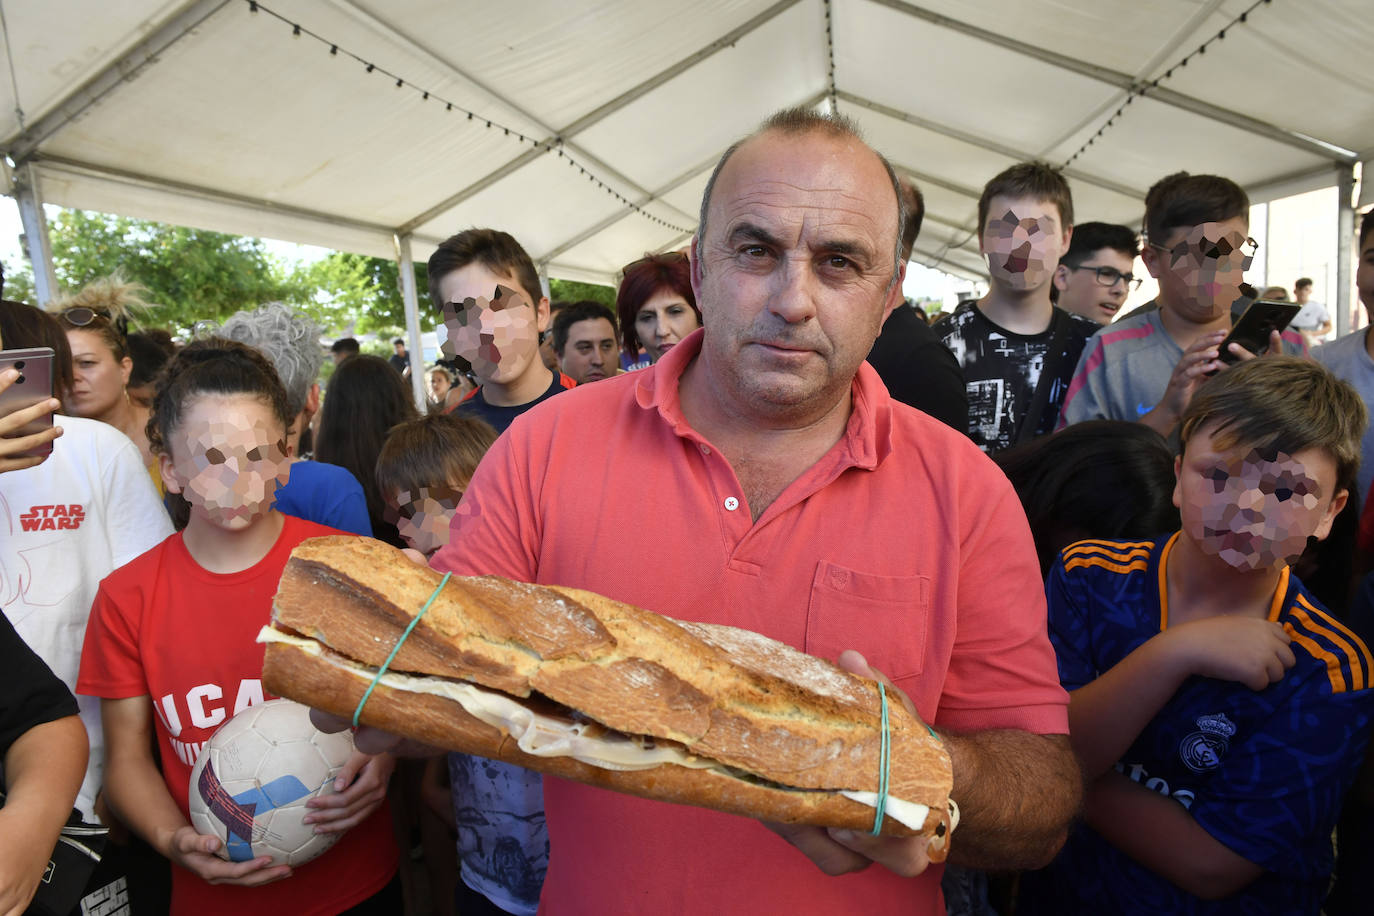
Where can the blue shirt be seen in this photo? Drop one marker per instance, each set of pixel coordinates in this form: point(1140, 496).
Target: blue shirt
point(325, 494)
point(1263, 772)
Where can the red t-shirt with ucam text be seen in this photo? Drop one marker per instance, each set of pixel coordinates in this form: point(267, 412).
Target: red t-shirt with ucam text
point(163, 627)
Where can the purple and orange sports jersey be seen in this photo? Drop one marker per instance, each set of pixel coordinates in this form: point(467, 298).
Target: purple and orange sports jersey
point(1264, 772)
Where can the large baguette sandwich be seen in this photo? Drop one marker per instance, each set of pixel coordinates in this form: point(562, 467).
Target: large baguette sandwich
point(573, 684)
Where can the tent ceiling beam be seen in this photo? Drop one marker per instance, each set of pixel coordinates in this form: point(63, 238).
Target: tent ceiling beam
point(937, 262)
point(1127, 82)
point(215, 196)
point(622, 213)
point(1018, 155)
point(597, 115)
point(434, 59)
point(126, 67)
point(937, 182)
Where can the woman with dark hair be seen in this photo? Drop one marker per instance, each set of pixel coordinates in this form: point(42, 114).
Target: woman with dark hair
point(149, 352)
point(656, 305)
point(366, 398)
point(1098, 479)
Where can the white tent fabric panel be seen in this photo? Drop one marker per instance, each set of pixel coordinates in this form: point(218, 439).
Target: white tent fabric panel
point(83, 188)
point(560, 60)
point(958, 81)
point(230, 122)
point(682, 122)
point(60, 44)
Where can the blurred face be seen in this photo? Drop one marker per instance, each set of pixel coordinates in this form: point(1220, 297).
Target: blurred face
point(492, 323)
point(399, 347)
point(1200, 268)
point(423, 517)
point(228, 457)
point(99, 379)
point(1023, 240)
point(795, 274)
point(1364, 274)
point(592, 352)
point(1083, 292)
point(662, 321)
point(1255, 510)
point(1301, 294)
point(438, 386)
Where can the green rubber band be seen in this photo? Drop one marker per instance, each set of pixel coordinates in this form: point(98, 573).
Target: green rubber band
point(397, 648)
point(884, 764)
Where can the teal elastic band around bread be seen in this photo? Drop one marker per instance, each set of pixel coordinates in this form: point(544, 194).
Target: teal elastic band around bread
point(885, 762)
point(400, 642)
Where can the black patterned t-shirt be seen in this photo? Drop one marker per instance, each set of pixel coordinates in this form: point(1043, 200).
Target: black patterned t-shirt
point(1002, 368)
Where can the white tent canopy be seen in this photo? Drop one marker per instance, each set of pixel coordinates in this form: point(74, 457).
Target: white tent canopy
point(214, 113)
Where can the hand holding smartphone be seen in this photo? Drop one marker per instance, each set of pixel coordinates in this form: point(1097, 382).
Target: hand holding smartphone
point(1252, 330)
point(26, 408)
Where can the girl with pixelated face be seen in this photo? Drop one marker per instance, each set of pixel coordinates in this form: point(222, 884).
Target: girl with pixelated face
point(181, 623)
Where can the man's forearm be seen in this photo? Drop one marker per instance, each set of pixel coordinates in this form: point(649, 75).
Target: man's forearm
point(1017, 794)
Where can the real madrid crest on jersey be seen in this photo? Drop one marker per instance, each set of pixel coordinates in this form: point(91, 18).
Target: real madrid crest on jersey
point(1203, 749)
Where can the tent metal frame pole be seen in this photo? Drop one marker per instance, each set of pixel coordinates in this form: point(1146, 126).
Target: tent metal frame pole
point(1125, 81)
point(1345, 246)
point(58, 163)
point(623, 213)
point(1018, 155)
point(116, 73)
point(544, 288)
point(412, 305)
point(36, 239)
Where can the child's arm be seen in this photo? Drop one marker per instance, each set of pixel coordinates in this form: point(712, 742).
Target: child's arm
point(138, 795)
point(359, 789)
point(1161, 835)
point(43, 772)
point(1106, 715)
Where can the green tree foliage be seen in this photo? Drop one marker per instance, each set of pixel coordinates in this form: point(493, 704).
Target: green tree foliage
point(365, 291)
point(574, 291)
point(191, 274)
point(19, 282)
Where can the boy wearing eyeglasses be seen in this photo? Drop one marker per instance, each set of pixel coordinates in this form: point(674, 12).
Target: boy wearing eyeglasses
point(1095, 275)
point(1017, 350)
point(1146, 367)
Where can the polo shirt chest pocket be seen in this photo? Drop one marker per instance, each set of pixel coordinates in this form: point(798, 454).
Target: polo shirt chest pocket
point(886, 618)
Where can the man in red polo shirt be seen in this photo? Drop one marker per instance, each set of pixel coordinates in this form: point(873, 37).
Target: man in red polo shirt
point(759, 475)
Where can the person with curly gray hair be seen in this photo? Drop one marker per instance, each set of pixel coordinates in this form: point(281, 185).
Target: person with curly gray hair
point(318, 492)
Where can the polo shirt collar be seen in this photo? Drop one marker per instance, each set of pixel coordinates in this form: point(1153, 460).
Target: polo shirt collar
point(868, 435)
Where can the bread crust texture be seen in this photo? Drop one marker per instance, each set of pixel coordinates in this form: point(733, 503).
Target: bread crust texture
point(786, 732)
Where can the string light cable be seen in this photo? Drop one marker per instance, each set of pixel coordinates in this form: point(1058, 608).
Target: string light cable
point(553, 145)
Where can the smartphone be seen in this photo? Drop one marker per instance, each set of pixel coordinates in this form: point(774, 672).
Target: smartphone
point(33, 385)
point(1253, 328)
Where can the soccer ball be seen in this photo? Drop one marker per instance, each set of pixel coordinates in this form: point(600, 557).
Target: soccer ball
point(253, 777)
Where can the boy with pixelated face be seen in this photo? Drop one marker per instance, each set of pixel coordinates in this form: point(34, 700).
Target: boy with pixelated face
point(1219, 711)
point(1147, 365)
point(484, 284)
point(422, 470)
point(1007, 340)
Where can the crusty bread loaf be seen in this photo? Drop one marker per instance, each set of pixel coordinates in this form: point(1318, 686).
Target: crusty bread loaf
point(795, 730)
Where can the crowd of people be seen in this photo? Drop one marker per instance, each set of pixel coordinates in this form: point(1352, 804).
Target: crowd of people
point(1119, 563)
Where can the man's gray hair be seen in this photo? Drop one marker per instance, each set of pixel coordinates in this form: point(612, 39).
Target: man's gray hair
point(798, 121)
point(289, 340)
